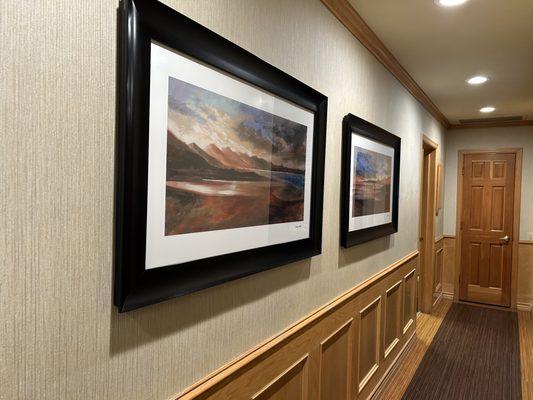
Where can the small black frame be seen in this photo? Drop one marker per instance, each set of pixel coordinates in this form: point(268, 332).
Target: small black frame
point(140, 23)
point(352, 124)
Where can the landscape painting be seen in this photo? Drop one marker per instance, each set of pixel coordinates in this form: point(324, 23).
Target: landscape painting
point(228, 164)
point(372, 176)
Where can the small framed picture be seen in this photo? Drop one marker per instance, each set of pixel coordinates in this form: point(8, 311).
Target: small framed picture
point(370, 182)
point(221, 160)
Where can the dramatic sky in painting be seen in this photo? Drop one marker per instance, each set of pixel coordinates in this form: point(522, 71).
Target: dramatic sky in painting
point(372, 165)
point(199, 116)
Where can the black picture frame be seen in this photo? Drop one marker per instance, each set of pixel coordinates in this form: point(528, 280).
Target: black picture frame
point(140, 23)
point(352, 124)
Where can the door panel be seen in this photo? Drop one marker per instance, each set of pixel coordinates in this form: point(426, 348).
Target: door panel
point(496, 260)
point(476, 217)
point(487, 227)
point(475, 255)
point(497, 208)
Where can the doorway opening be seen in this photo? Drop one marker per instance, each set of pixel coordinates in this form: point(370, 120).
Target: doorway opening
point(426, 245)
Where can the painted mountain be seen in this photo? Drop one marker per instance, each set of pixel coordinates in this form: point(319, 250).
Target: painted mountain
point(230, 165)
point(372, 183)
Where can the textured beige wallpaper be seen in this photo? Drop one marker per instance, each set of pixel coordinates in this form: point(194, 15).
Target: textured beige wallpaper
point(61, 336)
point(491, 138)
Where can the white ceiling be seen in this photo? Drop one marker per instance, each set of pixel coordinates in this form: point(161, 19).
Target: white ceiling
point(441, 47)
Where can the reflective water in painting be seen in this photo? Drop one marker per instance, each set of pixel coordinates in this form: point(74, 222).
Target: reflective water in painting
point(229, 165)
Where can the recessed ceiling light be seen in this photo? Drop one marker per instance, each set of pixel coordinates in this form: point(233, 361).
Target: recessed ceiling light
point(487, 109)
point(477, 80)
point(450, 3)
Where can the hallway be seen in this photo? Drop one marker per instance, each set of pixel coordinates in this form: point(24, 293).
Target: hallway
point(435, 367)
point(266, 200)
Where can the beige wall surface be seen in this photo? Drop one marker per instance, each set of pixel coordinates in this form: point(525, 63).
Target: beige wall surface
point(61, 336)
point(489, 138)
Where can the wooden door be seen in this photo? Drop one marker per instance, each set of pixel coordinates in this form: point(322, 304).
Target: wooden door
point(487, 227)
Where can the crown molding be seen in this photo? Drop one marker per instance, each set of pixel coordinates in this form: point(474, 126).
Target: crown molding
point(347, 15)
point(509, 124)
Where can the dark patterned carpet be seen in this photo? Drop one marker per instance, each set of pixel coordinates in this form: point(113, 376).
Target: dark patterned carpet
point(474, 355)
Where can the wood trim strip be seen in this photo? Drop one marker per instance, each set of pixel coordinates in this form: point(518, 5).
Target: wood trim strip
point(458, 218)
point(368, 376)
point(407, 276)
point(391, 347)
point(439, 239)
point(429, 143)
point(210, 381)
point(341, 329)
point(393, 287)
point(494, 150)
point(481, 125)
point(516, 225)
point(347, 15)
point(298, 365)
point(370, 305)
point(439, 297)
point(447, 295)
point(408, 325)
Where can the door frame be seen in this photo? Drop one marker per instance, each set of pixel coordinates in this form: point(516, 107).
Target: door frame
point(516, 217)
point(426, 233)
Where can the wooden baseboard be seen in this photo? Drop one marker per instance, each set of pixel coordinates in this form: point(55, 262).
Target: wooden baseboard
point(522, 306)
point(437, 299)
point(447, 295)
point(320, 355)
point(377, 394)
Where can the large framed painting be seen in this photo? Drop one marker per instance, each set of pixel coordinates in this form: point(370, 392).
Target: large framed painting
point(370, 182)
point(221, 160)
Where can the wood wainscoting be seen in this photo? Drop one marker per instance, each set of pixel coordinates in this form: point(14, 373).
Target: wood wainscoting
point(438, 269)
point(524, 289)
point(343, 350)
point(448, 267)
